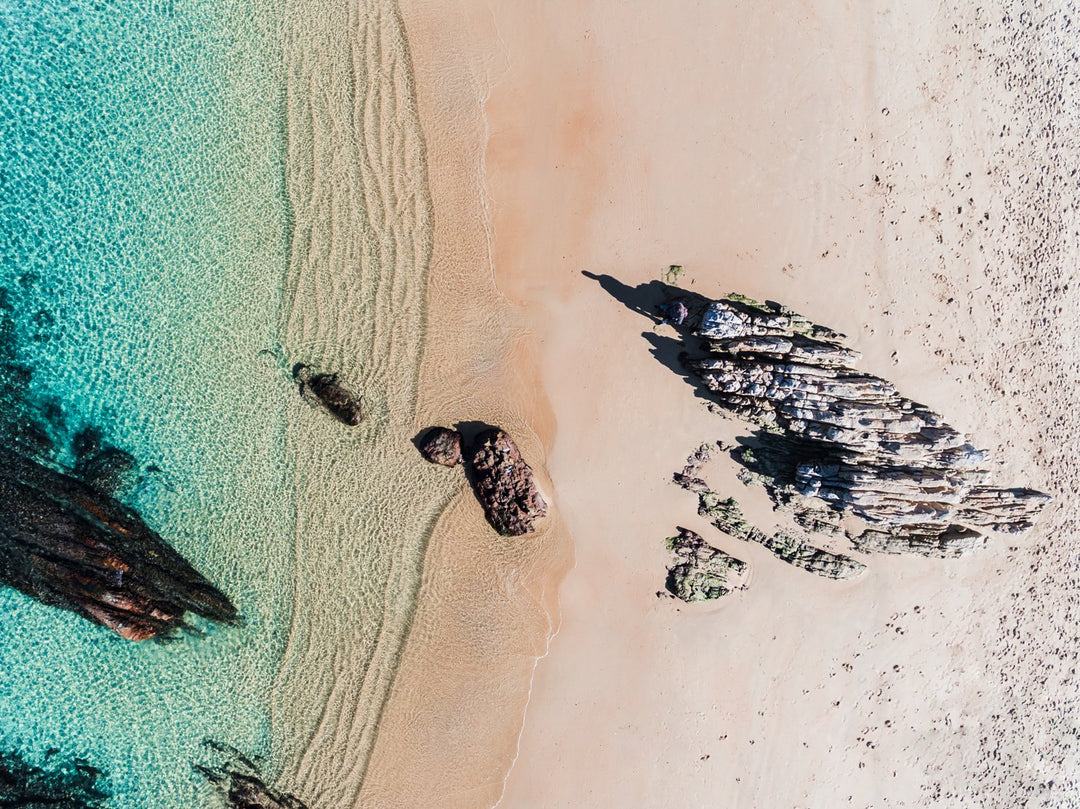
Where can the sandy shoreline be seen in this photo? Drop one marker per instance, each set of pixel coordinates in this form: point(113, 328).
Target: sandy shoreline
point(487, 604)
point(852, 162)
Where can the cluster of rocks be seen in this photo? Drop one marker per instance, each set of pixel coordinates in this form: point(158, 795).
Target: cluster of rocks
point(837, 441)
point(702, 572)
point(502, 480)
point(68, 542)
point(724, 513)
point(239, 781)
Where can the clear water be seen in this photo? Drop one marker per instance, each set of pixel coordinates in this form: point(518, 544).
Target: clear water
point(144, 236)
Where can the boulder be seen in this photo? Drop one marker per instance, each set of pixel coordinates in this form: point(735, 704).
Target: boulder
point(328, 391)
point(504, 484)
point(442, 446)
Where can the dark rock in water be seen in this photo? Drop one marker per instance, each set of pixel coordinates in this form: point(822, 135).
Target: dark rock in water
point(838, 439)
point(241, 784)
point(102, 466)
point(504, 484)
point(69, 784)
point(72, 545)
point(326, 390)
point(442, 446)
point(703, 573)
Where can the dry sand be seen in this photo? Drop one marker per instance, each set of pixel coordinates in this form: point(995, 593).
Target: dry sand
point(901, 174)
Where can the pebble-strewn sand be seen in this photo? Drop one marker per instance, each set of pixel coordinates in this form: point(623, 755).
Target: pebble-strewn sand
point(905, 174)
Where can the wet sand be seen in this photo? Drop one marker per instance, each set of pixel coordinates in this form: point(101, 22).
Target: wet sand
point(898, 175)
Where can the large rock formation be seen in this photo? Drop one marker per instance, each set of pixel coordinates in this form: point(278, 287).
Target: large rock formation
point(504, 484)
point(69, 784)
point(74, 546)
point(326, 390)
point(702, 572)
point(724, 513)
point(240, 782)
point(839, 441)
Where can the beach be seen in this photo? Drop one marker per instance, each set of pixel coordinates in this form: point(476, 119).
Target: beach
point(457, 206)
point(861, 165)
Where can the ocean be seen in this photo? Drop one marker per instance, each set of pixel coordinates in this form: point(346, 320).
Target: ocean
point(195, 196)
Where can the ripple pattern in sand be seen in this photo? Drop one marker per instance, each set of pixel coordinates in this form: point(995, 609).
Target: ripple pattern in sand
point(354, 304)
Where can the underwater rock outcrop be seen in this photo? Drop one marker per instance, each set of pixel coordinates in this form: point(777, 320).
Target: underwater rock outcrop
point(504, 484)
point(66, 783)
point(239, 780)
point(327, 391)
point(72, 545)
point(702, 572)
point(837, 441)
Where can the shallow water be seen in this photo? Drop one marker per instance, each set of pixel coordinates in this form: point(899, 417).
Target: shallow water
point(144, 239)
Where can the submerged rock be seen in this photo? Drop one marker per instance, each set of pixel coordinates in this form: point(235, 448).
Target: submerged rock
point(327, 391)
point(504, 484)
point(72, 545)
point(703, 573)
point(442, 446)
point(66, 783)
point(841, 440)
point(241, 784)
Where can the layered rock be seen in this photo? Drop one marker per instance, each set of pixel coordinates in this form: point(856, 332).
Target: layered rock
point(846, 441)
point(327, 391)
point(442, 446)
point(504, 484)
point(702, 572)
point(72, 545)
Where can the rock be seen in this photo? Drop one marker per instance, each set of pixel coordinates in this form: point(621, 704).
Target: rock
point(703, 573)
point(240, 782)
point(839, 439)
point(504, 484)
point(72, 545)
point(326, 390)
point(725, 514)
point(674, 311)
point(67, 783)
point(442, 446)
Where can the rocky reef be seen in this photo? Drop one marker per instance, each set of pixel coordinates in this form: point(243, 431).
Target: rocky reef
point(73, 545)
point(504, 484)
point(837, 441)
point(58, 782)
point(239, 781)
point(702, 572)
point(327, 391)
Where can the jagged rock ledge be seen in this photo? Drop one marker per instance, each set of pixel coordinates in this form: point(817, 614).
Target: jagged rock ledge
point(839, 441)
point(702, 572)
point(73, 545)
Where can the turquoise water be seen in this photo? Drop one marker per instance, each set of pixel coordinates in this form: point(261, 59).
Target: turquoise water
point(143, 238)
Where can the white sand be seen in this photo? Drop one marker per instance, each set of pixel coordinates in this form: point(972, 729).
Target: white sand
point(743, 141)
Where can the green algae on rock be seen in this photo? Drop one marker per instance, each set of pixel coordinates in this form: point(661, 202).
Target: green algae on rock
point(703, 573)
